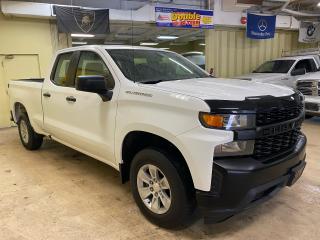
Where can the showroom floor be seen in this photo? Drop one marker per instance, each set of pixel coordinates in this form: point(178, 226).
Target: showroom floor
point(58, 193)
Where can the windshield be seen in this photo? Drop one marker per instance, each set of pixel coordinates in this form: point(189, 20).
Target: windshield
point(277, 66)
point(151, 65)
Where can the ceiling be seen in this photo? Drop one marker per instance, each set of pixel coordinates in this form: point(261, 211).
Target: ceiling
point(125, 4)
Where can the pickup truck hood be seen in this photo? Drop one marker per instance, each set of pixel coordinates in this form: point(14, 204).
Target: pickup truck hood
point(222, 89)
point(263, 77)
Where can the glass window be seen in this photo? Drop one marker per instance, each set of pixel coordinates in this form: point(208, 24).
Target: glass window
point(61, 71)
point(91, 64)
point(307, 64)
point(277, 66)
point(152, 65)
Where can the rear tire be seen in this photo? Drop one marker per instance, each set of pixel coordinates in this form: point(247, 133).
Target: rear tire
point(29, 138)
point(177, 205)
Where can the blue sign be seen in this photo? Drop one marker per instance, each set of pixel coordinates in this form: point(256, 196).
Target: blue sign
point(261, 26)
point(183, 18)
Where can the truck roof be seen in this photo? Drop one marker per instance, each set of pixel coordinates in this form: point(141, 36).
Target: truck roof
point(296, 57)
point(88, 47)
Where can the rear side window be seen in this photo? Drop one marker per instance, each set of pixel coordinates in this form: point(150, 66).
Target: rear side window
point(91, 64)
point(60, 76)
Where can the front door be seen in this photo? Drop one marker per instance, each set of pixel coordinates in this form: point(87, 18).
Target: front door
point(81, 119)
point(14, 67)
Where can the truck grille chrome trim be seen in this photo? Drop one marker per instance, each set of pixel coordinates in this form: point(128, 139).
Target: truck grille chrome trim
point(309, 87)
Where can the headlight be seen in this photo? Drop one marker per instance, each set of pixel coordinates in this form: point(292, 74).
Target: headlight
point(227, 121)
point(238, 148)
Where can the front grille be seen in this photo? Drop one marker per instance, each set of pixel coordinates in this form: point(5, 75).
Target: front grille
point(266, 147)
point(277, 115)
point(309, 87)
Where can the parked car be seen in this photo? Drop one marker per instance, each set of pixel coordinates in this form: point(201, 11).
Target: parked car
point(197, 58)
point(284, 71)
point(309, 86)
point(183, 139)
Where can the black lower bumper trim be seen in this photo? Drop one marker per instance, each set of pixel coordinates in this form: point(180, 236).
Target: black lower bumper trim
point(246, 183)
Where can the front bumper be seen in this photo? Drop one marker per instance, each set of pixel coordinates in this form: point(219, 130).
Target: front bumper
point(238, 184)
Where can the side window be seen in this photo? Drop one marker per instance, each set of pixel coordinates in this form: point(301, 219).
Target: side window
point(308, 64)
point(60, 76)
point(91, 64)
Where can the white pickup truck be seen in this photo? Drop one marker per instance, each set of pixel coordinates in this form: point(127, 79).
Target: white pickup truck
point(309, 86)
point(185, 141)
point(284, 71)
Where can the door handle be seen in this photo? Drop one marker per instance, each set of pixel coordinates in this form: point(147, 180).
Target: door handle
point(71, 99)
point(47, 95)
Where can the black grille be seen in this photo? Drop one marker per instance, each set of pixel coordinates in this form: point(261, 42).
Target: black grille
point(277, 115)
point(266, 147)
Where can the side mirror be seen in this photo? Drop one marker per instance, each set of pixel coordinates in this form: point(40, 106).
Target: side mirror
point(299, 71)
point(94, 84)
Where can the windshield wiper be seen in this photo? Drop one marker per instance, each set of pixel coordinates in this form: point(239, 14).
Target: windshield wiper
point(151, 82)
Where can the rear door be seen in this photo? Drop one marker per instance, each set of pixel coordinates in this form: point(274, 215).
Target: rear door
point(54, 93)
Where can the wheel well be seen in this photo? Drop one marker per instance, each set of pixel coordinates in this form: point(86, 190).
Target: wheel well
point(137, 140)
point(18, 110)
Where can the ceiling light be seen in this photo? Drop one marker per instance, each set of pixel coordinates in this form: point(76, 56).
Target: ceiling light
point(202, 44)
point(167, 37)
point(148, 44)
point(82, 35)
point(318, 5)
point(79, 43)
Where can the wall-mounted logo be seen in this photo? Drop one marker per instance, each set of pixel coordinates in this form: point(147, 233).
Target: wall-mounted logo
point(85, 20)
point(82, 20)
point(262, 25)
point(310, 31)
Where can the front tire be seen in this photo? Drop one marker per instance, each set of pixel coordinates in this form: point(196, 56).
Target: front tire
point(159, 191)
point(29, 138)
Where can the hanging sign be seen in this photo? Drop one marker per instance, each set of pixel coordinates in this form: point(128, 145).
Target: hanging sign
point(309, 32)
point(260, 26)
point(82, 20)
point(183, 18)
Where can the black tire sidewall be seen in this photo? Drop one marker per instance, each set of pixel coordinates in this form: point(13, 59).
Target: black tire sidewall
point(34, 139)
point(180, 211)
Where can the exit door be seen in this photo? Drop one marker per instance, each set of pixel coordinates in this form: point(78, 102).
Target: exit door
point(13, 67)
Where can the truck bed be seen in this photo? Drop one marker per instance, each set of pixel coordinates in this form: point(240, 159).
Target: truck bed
point(28, 92)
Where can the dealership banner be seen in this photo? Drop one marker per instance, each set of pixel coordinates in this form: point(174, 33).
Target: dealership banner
point(82, 20)
point(183, 18)
point(260, 26)
point(309, 32)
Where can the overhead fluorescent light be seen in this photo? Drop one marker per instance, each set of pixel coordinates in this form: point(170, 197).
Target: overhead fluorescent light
point(163, 37)
point(80, 35)
point(202, 44)
point(79, 43)
point(148, 44)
